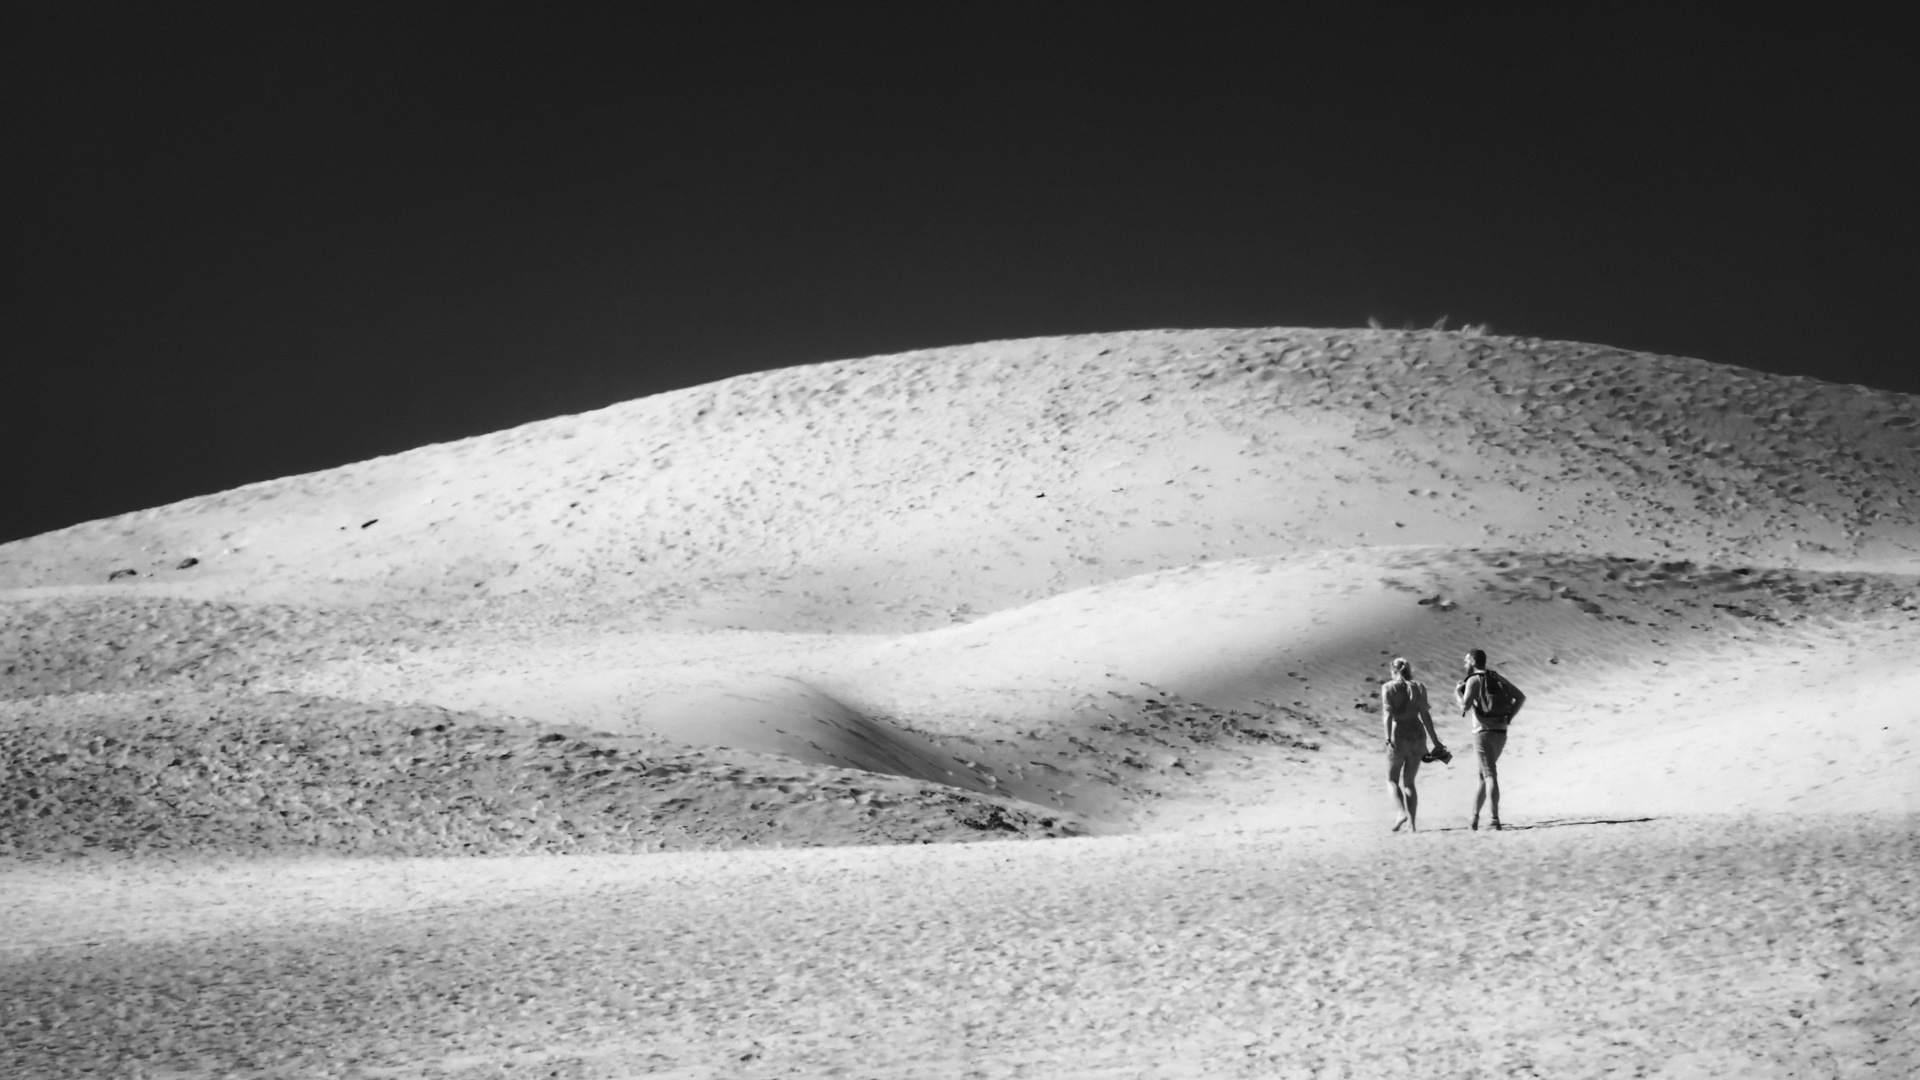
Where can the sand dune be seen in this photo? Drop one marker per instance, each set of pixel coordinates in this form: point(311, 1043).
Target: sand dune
point(857, 564)
point(994, 474)
point(1141, 583)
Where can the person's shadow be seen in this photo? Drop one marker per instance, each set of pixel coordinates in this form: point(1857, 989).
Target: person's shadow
point(1558, 823)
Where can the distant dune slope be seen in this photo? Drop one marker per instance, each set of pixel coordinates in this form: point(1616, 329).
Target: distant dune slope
point(1122, 577)
point(903, 492)
point(1755, 674)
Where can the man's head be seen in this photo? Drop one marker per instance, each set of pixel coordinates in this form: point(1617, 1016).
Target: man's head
point(1477, 659)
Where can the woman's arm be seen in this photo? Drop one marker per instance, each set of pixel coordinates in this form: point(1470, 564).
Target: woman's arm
point(1386, 717)
point(1426, 717)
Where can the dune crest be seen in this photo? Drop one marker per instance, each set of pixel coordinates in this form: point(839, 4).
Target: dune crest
point(891, 492)
point(1117, 579)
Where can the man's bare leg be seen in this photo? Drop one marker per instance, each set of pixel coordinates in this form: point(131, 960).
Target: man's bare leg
point(1479, 799)
point(1491, 787)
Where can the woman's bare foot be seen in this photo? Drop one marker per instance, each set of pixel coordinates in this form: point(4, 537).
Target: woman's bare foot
point(1476, 823)
point(1398, 825)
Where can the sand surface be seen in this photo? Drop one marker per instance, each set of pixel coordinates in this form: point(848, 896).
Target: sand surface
point(1695, 947)
point(639, 742)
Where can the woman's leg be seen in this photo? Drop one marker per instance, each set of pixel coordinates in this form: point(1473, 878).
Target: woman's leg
point(1394, 764)
point(1408, 794)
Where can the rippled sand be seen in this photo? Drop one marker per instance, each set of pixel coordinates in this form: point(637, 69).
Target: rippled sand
point(1676, 947)
point(1142, 583)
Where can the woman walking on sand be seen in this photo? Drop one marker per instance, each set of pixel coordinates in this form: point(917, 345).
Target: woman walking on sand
point(1409, 726)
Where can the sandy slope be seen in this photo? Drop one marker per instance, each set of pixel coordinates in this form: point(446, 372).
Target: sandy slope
point(1243, 519)
point(1138, 583)
point(992, 474)
point(1686, 948)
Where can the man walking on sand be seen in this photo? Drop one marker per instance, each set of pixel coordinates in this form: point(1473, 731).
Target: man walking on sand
point(1403, 712)
point(1494, 703)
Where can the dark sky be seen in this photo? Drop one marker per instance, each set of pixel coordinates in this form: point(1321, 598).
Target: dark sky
point(246, 242)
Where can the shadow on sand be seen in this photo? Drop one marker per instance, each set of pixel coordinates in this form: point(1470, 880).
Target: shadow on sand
point(1559, 823)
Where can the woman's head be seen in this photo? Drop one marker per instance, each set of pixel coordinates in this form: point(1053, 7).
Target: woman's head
point(1401, 668)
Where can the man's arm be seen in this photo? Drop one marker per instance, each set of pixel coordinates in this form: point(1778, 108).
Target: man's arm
point(1469, 693)
point(1519, 699)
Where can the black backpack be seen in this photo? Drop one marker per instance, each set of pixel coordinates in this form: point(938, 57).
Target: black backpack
point(1498, 699)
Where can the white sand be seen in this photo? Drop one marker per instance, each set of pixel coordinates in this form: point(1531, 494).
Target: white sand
point(1682, 948)
point(1137, 584)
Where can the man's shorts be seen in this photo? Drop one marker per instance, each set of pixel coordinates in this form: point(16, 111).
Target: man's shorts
point(1486, 747)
